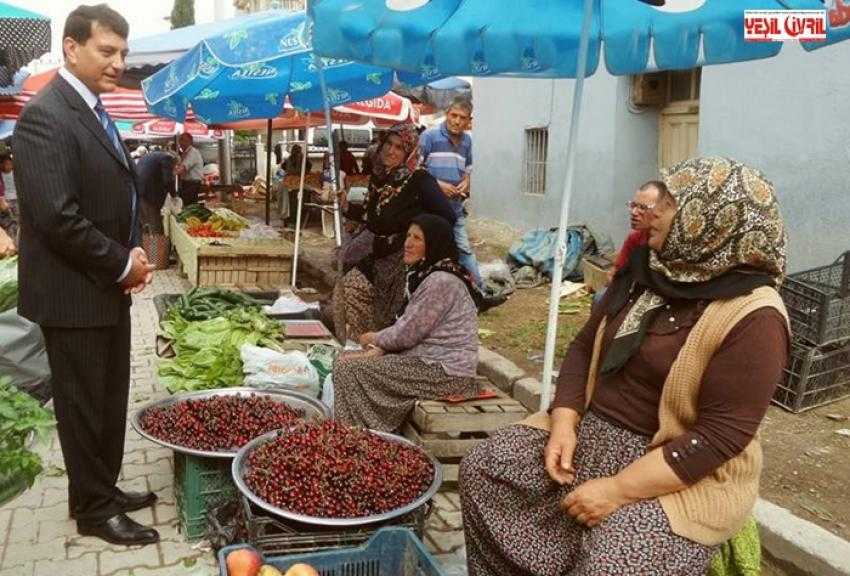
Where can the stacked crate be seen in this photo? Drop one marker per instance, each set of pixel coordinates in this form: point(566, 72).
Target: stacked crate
point(818, 303)
point(449, 430)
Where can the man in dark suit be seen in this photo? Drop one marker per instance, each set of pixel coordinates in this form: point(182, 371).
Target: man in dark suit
point(79, 262)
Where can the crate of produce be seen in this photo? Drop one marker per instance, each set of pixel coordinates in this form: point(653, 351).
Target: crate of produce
point(818, 302)
point(275, 536)
point(200, 484)
point(391, 551)
point(816, 375)
point(232, 262)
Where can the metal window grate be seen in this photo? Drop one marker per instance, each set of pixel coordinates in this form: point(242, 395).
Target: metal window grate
point(534, 169)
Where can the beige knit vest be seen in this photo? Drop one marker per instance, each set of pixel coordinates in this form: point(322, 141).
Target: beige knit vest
point(715, 508)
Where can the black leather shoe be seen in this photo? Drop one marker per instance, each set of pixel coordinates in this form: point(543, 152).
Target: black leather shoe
point(119, 529)
point(127, 502)
point(131, 501)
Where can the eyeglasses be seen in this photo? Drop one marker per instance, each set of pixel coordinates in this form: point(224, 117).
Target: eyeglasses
point(640, 206)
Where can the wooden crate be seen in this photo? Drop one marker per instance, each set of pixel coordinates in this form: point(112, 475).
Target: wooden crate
point(595, 272)
point(448, 431)
point(232, 262)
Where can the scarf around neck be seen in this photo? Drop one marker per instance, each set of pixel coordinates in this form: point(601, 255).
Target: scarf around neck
point(726, 239)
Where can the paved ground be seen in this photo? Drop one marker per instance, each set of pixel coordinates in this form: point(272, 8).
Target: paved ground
point(38, 538)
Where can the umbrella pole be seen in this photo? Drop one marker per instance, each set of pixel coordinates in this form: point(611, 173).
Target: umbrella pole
point(561, 249)
point(334, 182)
point(300, 199)
point(268, 171)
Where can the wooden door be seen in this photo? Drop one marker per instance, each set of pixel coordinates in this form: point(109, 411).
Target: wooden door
point(678, 133)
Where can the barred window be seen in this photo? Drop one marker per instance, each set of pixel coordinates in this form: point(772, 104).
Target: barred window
point(534, 169)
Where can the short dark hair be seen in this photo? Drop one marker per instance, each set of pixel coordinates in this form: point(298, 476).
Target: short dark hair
point(79, 23)
point(663, 191)
point(4, 157)
point(461, 102)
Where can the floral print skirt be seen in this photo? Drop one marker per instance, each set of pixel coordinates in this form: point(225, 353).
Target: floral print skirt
point(379, 393)
point(361, 305)
point(514, 525)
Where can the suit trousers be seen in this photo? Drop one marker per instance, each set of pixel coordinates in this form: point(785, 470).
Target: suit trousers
point(91, 382)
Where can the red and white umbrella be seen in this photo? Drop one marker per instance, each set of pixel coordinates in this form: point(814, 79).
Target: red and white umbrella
point(163, 128)
point(121, 104)
point(389, 109)
point(385, 111)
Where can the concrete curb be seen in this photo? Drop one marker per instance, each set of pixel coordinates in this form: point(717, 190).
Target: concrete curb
point(498, 369)
point(809, 548)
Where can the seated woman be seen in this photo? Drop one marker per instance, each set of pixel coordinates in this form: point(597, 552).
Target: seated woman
point(432, 349)
point(649, 457)
point(370, 295)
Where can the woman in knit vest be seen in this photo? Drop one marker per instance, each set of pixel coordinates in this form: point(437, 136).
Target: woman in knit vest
point(649, 457)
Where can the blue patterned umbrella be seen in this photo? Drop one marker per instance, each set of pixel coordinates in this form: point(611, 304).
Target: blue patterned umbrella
point(551, 39)
point(247, 71)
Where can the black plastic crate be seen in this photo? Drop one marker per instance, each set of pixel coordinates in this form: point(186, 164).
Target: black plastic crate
point(816, 375)
point(818, 302)
point(274, 536)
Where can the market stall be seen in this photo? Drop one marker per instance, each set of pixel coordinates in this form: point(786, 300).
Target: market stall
point(211, 258)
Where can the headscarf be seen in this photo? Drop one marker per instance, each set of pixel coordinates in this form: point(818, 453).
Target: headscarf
point(441, 255)
point(726, 239)
point(386, 182)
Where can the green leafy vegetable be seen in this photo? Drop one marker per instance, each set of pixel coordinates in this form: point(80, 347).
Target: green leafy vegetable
point(199, 211)
point(20, 415)
point(8, 283)
point(207, 351)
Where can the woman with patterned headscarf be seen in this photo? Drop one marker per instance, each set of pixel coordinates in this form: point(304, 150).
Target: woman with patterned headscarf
point(369, 295)
point(649, 457)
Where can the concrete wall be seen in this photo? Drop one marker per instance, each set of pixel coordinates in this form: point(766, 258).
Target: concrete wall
point(790, 117)
point(617, 151)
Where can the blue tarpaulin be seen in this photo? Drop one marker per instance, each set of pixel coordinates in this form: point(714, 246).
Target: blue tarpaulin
point(537, 249)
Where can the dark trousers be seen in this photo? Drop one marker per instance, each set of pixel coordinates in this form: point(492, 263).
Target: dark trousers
point(189, 191)
point(91, 382)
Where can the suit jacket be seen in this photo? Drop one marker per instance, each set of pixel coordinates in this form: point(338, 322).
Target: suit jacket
point(76, 218)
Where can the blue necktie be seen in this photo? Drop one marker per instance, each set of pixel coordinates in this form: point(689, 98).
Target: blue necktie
point(110, 130)
point(112, 133)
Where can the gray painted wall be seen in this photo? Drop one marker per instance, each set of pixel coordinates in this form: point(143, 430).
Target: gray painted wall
point(790, 117)
point(617, 151)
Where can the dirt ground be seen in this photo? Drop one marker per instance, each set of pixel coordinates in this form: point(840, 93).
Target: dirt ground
point(807, 464)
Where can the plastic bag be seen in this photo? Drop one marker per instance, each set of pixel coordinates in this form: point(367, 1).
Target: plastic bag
point(497, 278)
point(23, 355)
point(328, 393)
point(272, 370)
point(322, 356)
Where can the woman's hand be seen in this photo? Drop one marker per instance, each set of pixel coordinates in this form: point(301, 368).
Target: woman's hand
point(594, 501)
point(368, 338)
point(558, 454)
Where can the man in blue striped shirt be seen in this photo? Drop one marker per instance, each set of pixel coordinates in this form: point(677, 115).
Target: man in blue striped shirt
point(446, 152)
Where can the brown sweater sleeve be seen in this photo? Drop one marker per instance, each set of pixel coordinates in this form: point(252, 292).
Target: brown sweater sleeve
point(572, 377)
point(736, 390)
